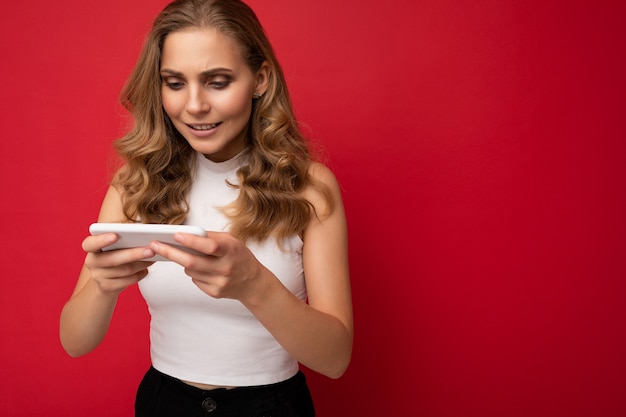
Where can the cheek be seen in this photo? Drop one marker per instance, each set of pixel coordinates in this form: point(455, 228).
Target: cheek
point(237, 105)
point(170, 104)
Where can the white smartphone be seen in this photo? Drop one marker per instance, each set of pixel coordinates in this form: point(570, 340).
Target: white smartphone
point(132, 235)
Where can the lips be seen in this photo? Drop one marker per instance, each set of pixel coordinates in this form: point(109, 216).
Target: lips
point(204, 126)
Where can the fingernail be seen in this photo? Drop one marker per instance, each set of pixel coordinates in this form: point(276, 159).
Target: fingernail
point(148, 253)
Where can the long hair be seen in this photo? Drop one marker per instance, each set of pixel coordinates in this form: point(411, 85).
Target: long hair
point(157, 172)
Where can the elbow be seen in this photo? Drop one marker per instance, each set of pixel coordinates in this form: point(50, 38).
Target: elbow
point(338, 367)
point(73, 355)
point(67, 345)
point(337, 373)
point(73, 347)
point(72, 351)
point(332, 366)
point(341, 361)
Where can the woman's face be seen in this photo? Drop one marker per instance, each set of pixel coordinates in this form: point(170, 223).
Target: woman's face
point(207, 91)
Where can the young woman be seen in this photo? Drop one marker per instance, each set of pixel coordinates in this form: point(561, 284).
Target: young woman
point(215, 144)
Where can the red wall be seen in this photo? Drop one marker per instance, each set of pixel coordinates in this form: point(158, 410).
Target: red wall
point(481, 148)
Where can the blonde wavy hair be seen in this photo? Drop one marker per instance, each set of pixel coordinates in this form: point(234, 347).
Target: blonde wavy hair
point(157, 171)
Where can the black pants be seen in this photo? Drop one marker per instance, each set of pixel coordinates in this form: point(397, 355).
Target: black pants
point(160, 395)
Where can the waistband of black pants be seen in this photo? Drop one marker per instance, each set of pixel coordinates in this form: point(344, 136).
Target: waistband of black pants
point(236, 394)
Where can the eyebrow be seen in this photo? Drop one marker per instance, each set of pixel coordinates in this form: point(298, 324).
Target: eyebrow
point(211, 72)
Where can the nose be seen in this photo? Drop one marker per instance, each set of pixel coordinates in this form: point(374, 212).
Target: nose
point(197, 102)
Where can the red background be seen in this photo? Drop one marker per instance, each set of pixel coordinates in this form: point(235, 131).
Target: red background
point(481, 149)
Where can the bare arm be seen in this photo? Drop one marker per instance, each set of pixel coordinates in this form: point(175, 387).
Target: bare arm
point(86, 316)
point(318, 334)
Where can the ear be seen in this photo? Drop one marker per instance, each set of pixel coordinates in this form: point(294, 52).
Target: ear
point(262, 79)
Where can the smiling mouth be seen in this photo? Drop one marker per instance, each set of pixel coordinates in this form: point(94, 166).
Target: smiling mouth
point(204, 126)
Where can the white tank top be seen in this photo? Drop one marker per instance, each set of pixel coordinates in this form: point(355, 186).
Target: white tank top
point(197, 338)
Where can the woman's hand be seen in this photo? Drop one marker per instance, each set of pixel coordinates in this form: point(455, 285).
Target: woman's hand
point(114, 271)
point(228, 269)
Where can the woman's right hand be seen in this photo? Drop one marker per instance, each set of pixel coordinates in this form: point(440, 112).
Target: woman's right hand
point(116, 270)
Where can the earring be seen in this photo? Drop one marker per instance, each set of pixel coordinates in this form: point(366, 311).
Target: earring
point(257, 96)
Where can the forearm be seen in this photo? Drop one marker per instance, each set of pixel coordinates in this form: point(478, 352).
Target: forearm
point(316, 339)
point(85, 319)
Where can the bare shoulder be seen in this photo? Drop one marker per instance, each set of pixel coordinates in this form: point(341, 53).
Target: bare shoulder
point(321, 172)
point(324, 194)
point(111, 209)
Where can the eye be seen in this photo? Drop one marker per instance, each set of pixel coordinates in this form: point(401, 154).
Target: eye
point(174, 85)
point(172, 82)
point(219, 84)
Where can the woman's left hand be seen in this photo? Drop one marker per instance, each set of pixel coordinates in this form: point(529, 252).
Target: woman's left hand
point(227, 270)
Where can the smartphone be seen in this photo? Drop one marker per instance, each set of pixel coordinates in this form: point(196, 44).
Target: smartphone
point(132, 235)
